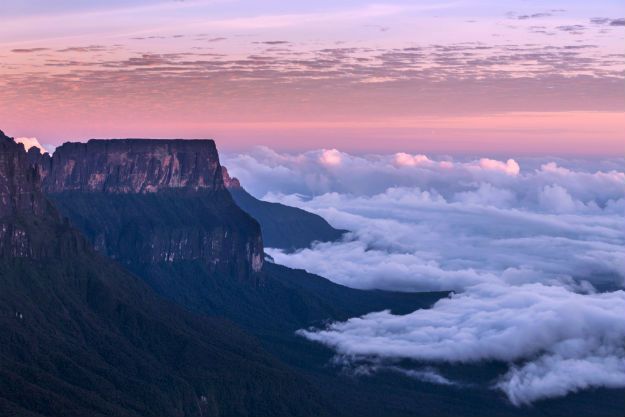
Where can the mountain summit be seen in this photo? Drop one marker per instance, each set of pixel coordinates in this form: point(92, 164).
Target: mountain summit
point(135, 166)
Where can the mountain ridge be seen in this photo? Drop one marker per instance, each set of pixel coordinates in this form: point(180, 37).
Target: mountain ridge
point(283, 227)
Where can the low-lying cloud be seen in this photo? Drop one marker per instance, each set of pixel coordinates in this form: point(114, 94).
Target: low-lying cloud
point(533, 248)
point(559, 341)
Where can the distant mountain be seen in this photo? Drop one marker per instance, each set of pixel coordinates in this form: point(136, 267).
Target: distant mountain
point(79, 336)
point(283, 227)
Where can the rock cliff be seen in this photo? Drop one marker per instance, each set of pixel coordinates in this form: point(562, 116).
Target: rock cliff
point(24, 210)
point(146, 201)
point(135, 166)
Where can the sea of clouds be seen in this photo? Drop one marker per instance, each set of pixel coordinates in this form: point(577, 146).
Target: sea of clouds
point(533, 248)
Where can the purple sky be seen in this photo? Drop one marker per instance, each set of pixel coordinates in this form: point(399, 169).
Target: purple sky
point(459, 76)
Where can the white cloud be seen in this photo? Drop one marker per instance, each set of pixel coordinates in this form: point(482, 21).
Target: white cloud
point(404, 159)
point(534, 248)
point(264, 170)
point(510, 167)
point(562, 341)
point(407, 239)
point(30, 142)
point(330, 157)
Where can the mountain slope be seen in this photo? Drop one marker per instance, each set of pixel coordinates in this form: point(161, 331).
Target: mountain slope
point(283, 227)
point(79, 336)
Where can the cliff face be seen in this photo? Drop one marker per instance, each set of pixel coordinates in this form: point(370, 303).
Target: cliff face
point(25, 214)
point(135, 166)
point(20, 190)
point(143, 201)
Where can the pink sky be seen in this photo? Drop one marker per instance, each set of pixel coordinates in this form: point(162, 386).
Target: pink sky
point(433, 77)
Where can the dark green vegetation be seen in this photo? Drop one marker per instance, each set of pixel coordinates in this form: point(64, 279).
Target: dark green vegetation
point(82, 337)
point(285, 227)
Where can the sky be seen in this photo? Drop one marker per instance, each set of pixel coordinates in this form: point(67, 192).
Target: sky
point(519, 77)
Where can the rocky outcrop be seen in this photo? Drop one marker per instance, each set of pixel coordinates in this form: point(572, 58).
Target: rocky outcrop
point(25, 213)
point(146, 201)
point(229, 182)
point(20, 189)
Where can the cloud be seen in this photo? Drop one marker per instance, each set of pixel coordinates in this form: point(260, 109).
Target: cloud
point(264, 170)
point(510, 167)
point(31, 142)
point(533, 16)
point(608, 21)
point(404, 159)
point(83, 49)
point(419, 223)
point(307, 83)
point(330, 157)
point(273, 42)
point(572, 29)
point(533, 247)
point(28, 50)
point(562, 341)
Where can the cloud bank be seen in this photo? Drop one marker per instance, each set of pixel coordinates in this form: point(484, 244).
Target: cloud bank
point(534, 248)
point(563, 341)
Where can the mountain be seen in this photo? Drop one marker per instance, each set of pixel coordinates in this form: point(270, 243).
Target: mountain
point(80, 336)
point(270, 303)
point(283, 227)
point(121, 221)
point(153, 200)
point(155, 207)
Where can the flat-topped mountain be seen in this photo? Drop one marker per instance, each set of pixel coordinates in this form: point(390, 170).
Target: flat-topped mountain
point(80, 336)
point(135, 166)
point(151, 200)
